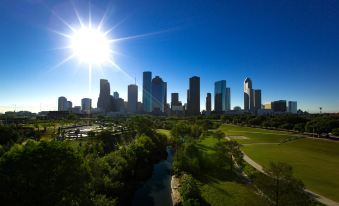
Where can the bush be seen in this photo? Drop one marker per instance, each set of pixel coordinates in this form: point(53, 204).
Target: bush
point(335, 132)
point(189, 188)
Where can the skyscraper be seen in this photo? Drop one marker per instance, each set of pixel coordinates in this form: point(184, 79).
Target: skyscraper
point(147, 91)
point(158, 94)
point(248, 95)
point(292, 107)
point(116, 95)
point(279, 106)
point(62, 104)
point(165, 97)
point(104, 100)
point(228, 99)
point(257, 99)
point(174, 99)
point(208, 103)
point(132, 100)
point(193, 103)
point(69, 106)
point(176, 105)
point(86, 105)
point(220, 96)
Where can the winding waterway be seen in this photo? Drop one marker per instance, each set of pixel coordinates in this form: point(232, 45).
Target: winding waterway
point(156, 190)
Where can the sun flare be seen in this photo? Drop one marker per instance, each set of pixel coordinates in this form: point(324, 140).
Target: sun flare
point(90, 46)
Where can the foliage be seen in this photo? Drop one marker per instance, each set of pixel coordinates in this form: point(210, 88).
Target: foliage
point(187, 159)
point(189, 190)
point(8, 135)
point(228, 153)
point(335, 131)
point(43, 173)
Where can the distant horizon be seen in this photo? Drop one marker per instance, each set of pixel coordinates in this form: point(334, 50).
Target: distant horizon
point(289, 50)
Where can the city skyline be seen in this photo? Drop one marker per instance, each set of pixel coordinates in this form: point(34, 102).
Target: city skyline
point(303, 68)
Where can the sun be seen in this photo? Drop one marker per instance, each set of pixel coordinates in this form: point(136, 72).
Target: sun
point(90, 46)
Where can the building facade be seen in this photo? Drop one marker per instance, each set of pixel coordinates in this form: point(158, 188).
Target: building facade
point(228, 99)
point(220, 96)
point(104, 100)
point(62, 104)
point(86, 105)
point(279, 106)
point(208, 103)
point(132, 100)
point(292, 107)
point(158, 95)
point(248, 95)
point(147, 91)
point(257, 100)
point(193, 104)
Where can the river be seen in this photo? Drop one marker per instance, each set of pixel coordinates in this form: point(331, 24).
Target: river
point(156, 190)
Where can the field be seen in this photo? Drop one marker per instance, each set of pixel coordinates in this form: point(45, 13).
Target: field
point(221, 188)
point(315, 161)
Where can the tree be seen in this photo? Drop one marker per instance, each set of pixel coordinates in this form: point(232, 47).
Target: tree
point(8, 135)
point(235, 154)
point(189, 189)
point(219, 135)
point(229, 153)
point(43, 173)
point(222, 154)
point(281, 187)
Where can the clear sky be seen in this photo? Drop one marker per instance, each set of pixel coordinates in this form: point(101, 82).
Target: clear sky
point(290, 49)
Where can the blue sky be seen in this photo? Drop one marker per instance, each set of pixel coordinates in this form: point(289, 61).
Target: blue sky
point(289, 49)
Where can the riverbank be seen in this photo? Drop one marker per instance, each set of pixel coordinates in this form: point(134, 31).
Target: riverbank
point(175, 194)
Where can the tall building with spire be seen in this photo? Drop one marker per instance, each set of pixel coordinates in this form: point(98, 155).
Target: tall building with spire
point(248, 95)
point(104, 100)
point(147, 91)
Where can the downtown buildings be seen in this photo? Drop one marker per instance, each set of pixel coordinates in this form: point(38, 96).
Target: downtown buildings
point(154, 100)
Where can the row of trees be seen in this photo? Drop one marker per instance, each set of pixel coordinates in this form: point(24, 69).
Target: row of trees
point(311, 123)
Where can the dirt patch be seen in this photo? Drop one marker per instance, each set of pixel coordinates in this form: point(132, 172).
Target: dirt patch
point(238, 137)
point(175, 185)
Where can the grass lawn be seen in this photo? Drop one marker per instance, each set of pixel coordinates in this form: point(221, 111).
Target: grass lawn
point(224, 188)
point(165, 132)
point(315, 161)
